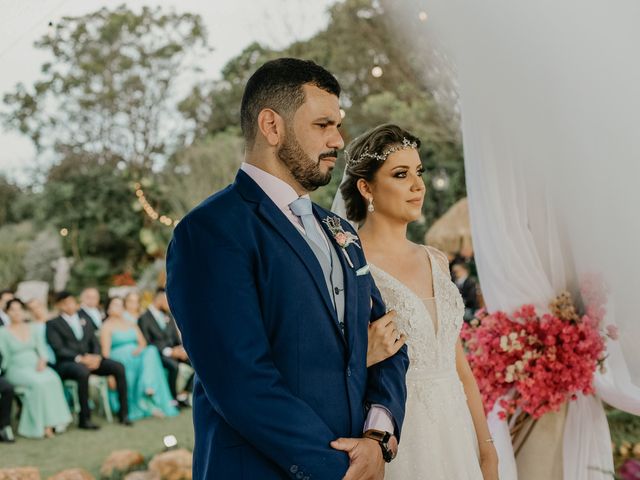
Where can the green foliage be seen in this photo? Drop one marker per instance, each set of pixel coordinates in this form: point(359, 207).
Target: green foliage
point(623, 426)
point(96, 203)
point(14, 243)
point(109, 89)
point(202, 169)
point(11, 200)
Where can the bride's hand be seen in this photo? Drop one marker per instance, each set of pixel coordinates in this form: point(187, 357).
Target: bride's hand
point(489, 463)
point(384, 339)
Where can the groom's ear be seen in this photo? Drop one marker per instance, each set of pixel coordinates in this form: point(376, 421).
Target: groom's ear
point(271, 126)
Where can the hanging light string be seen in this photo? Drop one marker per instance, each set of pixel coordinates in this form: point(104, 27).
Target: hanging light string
point(150, 211)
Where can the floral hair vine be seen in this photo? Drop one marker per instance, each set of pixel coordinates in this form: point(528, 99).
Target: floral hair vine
point(381, 157)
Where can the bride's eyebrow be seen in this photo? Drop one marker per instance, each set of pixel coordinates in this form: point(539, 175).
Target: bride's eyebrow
point(407, 167)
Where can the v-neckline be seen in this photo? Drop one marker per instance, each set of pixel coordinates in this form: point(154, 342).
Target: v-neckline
point(25, 341)
point(435, 326)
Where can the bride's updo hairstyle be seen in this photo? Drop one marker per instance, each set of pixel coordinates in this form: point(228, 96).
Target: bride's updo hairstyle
point(365, 155)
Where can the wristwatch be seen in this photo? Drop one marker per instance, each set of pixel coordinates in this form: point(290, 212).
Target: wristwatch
point(382, 438)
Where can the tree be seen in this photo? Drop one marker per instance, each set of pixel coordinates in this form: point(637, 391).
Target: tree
point(97, 206)
point(214, 106)
point(109, 89)
point(202, 169)
point(14, 244)
point(9, 195)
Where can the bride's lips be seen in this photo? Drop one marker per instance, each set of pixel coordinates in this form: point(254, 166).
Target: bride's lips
point(416, 201)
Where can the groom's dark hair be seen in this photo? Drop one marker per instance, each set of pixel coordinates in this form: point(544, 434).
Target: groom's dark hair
point(278, 85)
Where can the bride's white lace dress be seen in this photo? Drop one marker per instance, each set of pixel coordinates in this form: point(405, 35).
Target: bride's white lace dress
point(438, 439)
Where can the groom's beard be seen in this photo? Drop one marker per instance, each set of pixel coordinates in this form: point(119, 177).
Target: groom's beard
point(306, 172)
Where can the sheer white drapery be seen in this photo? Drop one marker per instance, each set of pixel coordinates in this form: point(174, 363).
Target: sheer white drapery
point(550, 100)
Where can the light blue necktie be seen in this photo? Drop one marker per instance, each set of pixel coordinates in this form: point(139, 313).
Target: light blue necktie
point(303, 209)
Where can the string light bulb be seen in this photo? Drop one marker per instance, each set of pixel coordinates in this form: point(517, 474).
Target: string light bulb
point(150, 211)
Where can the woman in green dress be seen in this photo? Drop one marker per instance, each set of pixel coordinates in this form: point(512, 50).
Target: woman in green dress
point(44, 407)
point(147, 388)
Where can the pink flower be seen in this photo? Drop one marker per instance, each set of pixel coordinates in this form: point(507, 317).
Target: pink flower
point(630, 470)
point(341, 239)
point(612, 332)
point(546, 361)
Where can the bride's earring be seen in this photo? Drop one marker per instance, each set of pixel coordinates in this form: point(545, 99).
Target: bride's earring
point(370, 207)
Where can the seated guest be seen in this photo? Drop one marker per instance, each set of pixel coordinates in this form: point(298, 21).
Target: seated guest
point(77, 351)
point(38, 311)
point(39, 318)
point(147, 389)
point(5, 296)
point(467, 287)
point(131, 307)
point(90, 306)
point(160, 330)
point(44, 407)
point(6, 402)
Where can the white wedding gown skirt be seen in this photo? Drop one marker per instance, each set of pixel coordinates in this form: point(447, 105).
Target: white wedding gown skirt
point(438, 439)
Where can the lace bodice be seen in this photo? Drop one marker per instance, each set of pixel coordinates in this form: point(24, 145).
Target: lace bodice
point(431, 351)
point(439, 440)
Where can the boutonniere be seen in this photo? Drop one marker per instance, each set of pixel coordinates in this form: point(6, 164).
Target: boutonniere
point(342, 237)
point(83, 322)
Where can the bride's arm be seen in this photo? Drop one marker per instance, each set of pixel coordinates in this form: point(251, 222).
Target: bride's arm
point(383, 339)
point(488, 455)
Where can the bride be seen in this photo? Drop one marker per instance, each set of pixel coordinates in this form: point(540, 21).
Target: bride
point(445, 434)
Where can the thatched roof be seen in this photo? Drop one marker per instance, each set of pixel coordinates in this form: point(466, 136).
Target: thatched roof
point(451, 233)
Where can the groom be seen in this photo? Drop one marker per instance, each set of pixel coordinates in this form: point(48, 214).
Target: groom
point(274, 305)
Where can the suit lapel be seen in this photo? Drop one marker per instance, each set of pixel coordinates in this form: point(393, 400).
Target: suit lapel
point(350, 286)
point(67, 328)
point(153, 323)
point(288, 232)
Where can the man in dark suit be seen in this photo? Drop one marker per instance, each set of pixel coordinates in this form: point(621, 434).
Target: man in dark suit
point(90, 306)
point(77, 351)
point(160, 330)
point(467, 287)
point(274, 306)
point(6, 401)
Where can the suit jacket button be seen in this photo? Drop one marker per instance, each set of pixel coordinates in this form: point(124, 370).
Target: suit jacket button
point(348, 371)
point(294, 469)
point(300, 475)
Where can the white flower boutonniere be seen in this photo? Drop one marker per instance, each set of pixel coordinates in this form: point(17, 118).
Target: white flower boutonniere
point(342, 237)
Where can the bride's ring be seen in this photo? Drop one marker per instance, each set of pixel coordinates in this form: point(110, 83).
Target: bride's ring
point(398, 336)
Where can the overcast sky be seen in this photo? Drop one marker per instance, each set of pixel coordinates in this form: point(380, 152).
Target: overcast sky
point(232, 25)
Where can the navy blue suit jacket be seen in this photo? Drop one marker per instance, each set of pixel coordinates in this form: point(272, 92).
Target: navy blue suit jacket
point(276, 380)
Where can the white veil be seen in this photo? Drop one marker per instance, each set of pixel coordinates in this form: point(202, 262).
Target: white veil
point(338, 206)
point(549, 95)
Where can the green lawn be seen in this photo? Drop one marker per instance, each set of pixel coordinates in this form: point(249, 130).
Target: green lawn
point(80, 448)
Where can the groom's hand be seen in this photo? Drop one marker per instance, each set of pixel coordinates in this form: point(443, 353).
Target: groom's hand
point(365, 457)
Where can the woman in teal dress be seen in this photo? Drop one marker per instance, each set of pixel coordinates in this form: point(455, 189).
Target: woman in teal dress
point(147, 387)
point(44, 407)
